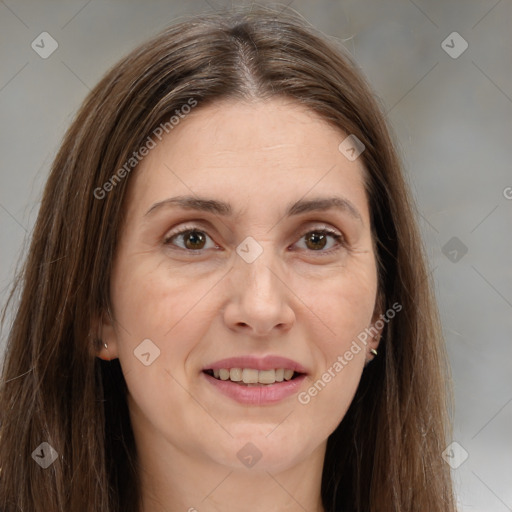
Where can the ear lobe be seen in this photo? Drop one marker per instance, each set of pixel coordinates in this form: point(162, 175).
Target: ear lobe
point(376, 329)
point(104, 342)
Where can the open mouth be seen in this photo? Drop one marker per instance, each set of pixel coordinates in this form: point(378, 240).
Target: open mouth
point(253, 377)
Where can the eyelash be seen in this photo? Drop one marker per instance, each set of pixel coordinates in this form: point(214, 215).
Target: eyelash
point(341, 243)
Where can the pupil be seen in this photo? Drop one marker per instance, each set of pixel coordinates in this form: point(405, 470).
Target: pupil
point(315, 238)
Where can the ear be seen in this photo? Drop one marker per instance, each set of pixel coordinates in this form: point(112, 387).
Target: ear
point(376, 328)
point(104, 337)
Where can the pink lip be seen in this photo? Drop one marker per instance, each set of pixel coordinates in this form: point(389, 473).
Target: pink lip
point(258, 363)
point(256, 395)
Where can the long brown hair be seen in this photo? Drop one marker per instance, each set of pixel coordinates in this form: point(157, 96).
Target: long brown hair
point(386, 453)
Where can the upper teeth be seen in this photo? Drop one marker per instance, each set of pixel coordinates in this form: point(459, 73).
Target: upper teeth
point(253, 376)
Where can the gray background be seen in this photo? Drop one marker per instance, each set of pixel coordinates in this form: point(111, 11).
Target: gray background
point(452, 119)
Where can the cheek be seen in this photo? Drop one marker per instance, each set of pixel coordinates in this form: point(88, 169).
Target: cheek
point(150, 299)
point(351, 313)
point(154, 302)
point(344, 301)
point(345, 304)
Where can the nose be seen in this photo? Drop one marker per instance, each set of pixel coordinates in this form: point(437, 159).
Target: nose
point(259, 301)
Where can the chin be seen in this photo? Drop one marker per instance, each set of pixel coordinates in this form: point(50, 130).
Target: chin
point(261, 452)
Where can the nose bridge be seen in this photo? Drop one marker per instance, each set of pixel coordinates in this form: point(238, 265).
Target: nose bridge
point(257, 295)
point(257, 267)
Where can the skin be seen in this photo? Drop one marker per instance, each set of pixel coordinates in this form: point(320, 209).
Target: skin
point(199, 308)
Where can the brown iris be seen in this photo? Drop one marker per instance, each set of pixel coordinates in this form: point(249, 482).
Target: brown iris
point(316, 238)
point(194, 240)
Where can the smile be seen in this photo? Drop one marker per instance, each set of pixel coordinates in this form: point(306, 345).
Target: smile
point(251, 380)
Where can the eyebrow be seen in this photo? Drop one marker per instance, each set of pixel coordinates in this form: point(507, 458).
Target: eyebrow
point(224, 209)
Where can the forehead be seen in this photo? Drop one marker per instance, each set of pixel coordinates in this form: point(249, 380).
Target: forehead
point(275, 150)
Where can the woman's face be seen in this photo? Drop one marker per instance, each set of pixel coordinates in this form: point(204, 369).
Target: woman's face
point(228, 265)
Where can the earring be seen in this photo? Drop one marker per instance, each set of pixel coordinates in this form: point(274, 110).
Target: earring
point(373, 351)
point(105, 345)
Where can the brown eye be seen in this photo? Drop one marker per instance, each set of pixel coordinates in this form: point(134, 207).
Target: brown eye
point(191, 239)
point(317, 240)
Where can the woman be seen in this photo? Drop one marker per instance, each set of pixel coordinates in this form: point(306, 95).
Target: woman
point(226, 304)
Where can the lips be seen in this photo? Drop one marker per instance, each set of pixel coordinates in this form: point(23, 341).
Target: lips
point(256, 381)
